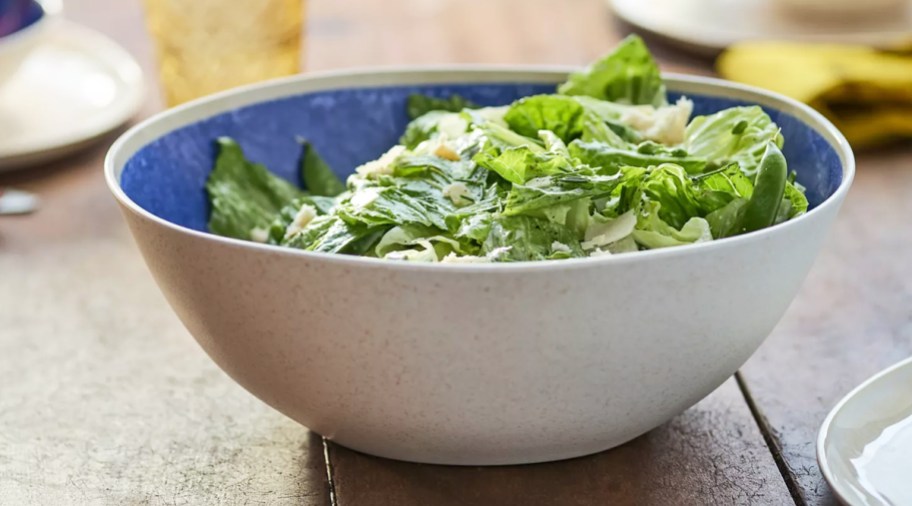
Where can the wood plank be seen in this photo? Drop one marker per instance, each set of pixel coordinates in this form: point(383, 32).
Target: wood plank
point(104, 396)
point(350, 33)
point(711, 454)
point(364, 32)
point(852, 318)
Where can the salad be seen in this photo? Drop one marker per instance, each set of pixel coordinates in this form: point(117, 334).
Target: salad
point(606, 165)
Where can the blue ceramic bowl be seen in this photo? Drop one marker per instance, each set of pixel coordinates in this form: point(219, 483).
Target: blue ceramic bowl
point(458, 363)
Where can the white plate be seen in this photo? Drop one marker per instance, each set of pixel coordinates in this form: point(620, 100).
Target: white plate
point(74, 87)
point(709, 26)
point(865, 444)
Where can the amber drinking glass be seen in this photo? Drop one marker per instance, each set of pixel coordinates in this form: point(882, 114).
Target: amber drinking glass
point(206, 46)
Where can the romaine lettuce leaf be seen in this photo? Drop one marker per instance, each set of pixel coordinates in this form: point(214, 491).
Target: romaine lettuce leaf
point(485, 115)
point(520, 238)
point(553, 190)
point(618, 125)
point(559, 114)
point(500, 137)
point(739, 135)
point(421, 128)
point(634, 123)
point(392, 205)
point(318, 178)
point(603, 231)
point(723, 222)
point(432, 167)
point(627, 75)
point(674, 194)
point(331, 234)
point(797, 201)
point(652, 232)
point(596, 130)
point(726, 181)
point(419, 105)
point(421, 240)
point(518, 165)
point(475, 227)
point(245, 196)
point(666, 199)
point(279, 226)
point(610, 159)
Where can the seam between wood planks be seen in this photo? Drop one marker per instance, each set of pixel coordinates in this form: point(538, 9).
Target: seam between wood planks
point(329, 473)
point(772, 443)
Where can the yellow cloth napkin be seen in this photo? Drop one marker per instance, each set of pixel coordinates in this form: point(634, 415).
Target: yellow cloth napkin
point(866, 92)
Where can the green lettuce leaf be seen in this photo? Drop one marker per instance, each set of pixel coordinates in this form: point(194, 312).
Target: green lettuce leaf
point(419, 105)
point(672, 190)
point(548, 191)
point(636, 123)
point(675, 198)
point(553, 144)
point(417, 241)
point(603, 231)
point(727, 181)
point(475, 227)
point(627, 75)
point(279, 225)
point(485, 115)
point(331, 234)
point(318, 178)
point(500, 137)
point(593, 129)
point(737, 135)
point(573, 215)
point(421, 128)
point(518, 165)
point(724, 221)
point(392, 205)
point(559, 114)
point(610, 159)
point(653, 232)
point(521, 238)
point(797, 201)
point(244, 195)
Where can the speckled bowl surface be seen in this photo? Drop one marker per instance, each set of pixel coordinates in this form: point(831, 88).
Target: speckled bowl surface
point(458, 363)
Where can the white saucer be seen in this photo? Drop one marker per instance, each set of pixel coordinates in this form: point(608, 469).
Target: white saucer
point(74, 87)
point(709, 26)
point(865, 444)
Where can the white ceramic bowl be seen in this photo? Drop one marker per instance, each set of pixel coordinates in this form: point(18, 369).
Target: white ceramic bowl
point(460, 363)
point(864, 447)
point(15, 47)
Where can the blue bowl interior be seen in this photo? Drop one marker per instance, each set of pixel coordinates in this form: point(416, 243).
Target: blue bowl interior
point(351, 126)
point(18, 14)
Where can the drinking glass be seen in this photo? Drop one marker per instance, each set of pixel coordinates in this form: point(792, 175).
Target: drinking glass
point(206, 46)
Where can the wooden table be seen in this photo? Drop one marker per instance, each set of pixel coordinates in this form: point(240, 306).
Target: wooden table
point(105, 398)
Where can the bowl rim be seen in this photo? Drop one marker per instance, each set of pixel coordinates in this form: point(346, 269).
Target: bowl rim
point(154, 127)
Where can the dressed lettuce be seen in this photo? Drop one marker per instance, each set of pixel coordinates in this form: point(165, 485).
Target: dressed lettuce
point(245, 197)
point(628, 75)
point(606, 165)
